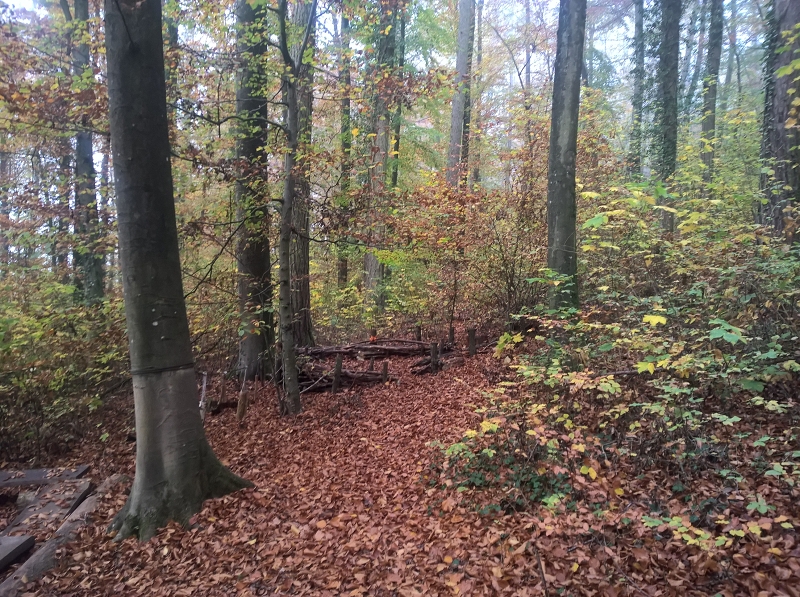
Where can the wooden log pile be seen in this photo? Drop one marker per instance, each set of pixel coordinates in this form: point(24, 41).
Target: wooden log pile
point(317, 378)
point(374, 349)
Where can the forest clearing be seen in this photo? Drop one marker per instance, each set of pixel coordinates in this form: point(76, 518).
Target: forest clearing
point(403, 297)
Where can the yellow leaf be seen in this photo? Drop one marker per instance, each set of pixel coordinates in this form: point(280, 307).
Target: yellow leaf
point(654, 320)
point(592, 473)
point(575, 567)
point(619, 491)
point(355, 132)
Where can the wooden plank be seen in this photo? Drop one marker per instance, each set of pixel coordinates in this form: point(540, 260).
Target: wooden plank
point(52, 504)
point(11, 548)
point(40, 476)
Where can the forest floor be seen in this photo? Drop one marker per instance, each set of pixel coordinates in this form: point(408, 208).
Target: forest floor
point(349, 499)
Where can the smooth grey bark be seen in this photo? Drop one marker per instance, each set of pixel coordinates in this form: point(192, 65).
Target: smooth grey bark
point(346, 134)
point(635, 158)
point(5, 208)
point(300, 253)
point(477, 132)
point(374, 270)
point(254, 283)
point(780, 147)
point(291, 80)
point(398, 111)
point(691, 33)
point(710, 85)
point(88, 258)
point(667, 121)
point(561, 204)
point(176, 470)
point(688, 100)
point(466, 23)
point(726, 90)
point(668, 57)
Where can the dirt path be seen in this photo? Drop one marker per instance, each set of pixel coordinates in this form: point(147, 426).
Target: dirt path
point(340, 507)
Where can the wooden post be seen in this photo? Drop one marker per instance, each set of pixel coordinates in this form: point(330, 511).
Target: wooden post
point(203, 397)
point(434, 357)
point(471, 345)
point(418, 333)
point(451, 335)
point(385, 374)
point(337, 375)
point(372, 364)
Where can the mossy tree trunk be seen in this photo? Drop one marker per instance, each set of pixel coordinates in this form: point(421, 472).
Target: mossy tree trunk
point(176, 469)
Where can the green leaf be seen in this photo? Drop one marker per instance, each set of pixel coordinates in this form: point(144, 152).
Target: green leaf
point(751, 385)
point(595, 222)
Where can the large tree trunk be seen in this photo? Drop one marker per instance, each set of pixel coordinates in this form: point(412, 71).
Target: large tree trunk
point(254, 283)
point(300, 254)
point(635, 158)
point(466, 24)
point(176, 470)
point(667, 123)
point(710, 85)
point(88, 259)
point(780, 145)
point(561, 205)
point(689, 46)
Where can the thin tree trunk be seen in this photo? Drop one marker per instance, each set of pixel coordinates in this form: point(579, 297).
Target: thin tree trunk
point(477, 133)
point(688, 101)
point(346, 133)
point(726, 90)
point(176, 470)
point(290, 82)
point(466, 20)
point(465, 130)
point(88, 259)
point(561, 205)
point(689, 47)
point(668, 59)
point(254, 283)
point(374, 270)
point(300, 253)
point(401, 62)
point(710, 85)
point(635, 159)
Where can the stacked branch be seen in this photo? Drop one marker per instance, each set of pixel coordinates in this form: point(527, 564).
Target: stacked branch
point(315, 378)
point(376, 349)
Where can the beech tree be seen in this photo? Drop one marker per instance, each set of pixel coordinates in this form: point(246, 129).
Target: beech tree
point(780, 140)
point(460, 107)
point(176, 470)
point(88, 259)
point(561, 205)
point(254, 283)
point(710, 85)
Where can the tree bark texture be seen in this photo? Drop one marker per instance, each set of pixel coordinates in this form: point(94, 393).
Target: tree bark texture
point(780, 145)
point(476, 135)
point(466, 23)
point(710, 86)
point(254, 283)
point(668, 57)
point(688, 100)
point(398, 111)
point(637, 101)
point(346, 134)
point(300, 254)
point(88, 256)
point(374, 270)
point(176, 469)
point(561, 205)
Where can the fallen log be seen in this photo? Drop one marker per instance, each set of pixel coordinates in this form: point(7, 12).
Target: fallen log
point(371, 349)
